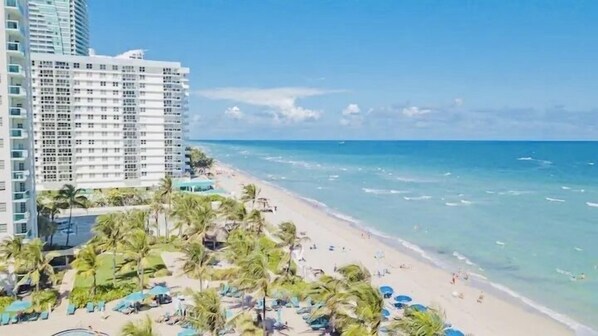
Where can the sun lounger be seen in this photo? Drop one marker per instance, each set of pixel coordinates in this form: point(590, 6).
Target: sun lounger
point(224, 290)
point(119, 306)
point(259, 305)
point(71, 309)
point(231, 292)
point(44, 315)
point(318, 324)
point(227, 330)
point(294, 302)
point(33, 317)
point(90, 307)
point(14, 320)
point(101, 306)
point(5, 319)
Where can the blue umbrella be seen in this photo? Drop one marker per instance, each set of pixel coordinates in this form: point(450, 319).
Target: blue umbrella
point(158, 290)
point(188, 332)
point(386, 291)
point(453, 332)
point(418, 307)
point(18, 306)
point(403, 298)
point(135, 297)
point(385, 312)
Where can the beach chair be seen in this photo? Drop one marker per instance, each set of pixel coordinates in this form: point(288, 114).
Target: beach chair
point(321, 323)
point(224, 290)
point(102, 306)
point(5, 319)
point(259, 305)
point(14, 320)
point(33, 317)
point(231, 291)
point(44, 315)
point(70, 310)
point(90, 307)
point(294, 302)
point(119, 306)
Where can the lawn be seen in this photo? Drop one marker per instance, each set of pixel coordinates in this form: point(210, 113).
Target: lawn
point(123, 273)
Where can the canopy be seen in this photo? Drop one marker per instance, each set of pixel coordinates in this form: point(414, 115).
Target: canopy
point(18, 306)
point(135, 297)
point(403, 298)
point(453, 332)
point(159, 290)
point(385, 312)
point(418, 307)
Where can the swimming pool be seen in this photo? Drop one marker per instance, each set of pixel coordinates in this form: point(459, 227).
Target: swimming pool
point(79, 332)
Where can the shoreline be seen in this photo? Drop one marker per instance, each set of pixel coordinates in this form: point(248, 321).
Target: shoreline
point(520, 312)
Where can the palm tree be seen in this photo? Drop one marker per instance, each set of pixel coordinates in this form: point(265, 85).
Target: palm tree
point(332, 292)
point(239, 244)
point(183, 210)
point(50, 206)
point(137, 248)
point(428, 323)
point(246, 326)
point(143, 327)
point(288, 237)
point(208, 312)
point(156, 208)
point(166, 190)
point(136, 219)
point(232, 210)
point(367, 305)
point(250, 194)
point(11, 247)
point(255, 277)
point(256, 221)
point(355, 273)
point(202, 216)
point(37, 263)
point(109, 233)
point(87, 264)
point(196, 261)
point(73, 198)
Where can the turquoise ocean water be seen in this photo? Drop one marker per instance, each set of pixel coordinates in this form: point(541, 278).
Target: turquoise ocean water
point(522, 215)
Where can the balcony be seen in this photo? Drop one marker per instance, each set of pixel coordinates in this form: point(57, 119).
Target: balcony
point(21, 217)
point(22, 196)
point(19, 154)
point(18, 133)
point(15, 49)
point(16, 90)
point(17, 112)
point(16, 70)
point(20, 176)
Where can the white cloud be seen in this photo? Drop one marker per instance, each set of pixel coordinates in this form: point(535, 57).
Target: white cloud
point(351, 109)
point(457, 102)
point(234, 113)
point(415, 111)
point(282, 101)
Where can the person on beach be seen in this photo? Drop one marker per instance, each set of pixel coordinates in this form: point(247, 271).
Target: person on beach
point(481, 297)
point(454, 279)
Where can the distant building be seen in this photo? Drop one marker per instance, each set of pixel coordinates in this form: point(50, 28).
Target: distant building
point(59, 27)
point(17, 190)
point(103, 122)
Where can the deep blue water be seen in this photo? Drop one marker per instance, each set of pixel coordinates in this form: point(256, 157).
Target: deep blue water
point(522, 214)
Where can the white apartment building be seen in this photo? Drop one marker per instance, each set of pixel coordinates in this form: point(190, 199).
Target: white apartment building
point(104, 122)
point(59, 27)
point(17, 193)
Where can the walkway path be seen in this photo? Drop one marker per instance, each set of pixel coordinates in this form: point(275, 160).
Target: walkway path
point(68, 282)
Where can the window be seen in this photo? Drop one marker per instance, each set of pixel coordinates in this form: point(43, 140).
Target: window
point(90, 142)
point(102, 83)
point(2, 207)
point(2, 227)
point(141, 69)
point(115, 68)
point(89, 66)
point(102, 66)
point(76, 65)
point(2, 185)
point(89, 91)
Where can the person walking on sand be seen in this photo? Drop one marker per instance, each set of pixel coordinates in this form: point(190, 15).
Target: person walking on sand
point(453, 279)
point(481, 297)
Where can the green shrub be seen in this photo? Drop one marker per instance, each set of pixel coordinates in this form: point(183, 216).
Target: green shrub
point(42, 299)
point(5, 301)
point(162, 273)
point(81, 295)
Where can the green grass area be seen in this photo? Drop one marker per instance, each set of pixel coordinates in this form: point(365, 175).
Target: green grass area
point(123, 273)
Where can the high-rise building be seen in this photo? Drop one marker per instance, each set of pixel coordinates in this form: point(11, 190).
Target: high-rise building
point(17, 193)
point(59, 27)
point(102, 122)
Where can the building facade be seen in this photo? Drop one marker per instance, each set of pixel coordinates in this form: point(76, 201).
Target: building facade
point(105, 122)
point(59, 27)
point(17, 187)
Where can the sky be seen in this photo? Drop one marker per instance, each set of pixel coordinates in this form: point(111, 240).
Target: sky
point(348, 69)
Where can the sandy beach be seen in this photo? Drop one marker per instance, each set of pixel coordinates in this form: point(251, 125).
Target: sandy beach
point(426, 283)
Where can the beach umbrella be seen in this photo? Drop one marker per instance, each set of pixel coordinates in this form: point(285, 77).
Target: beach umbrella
point(18, 306)
point(386, 291)
point(135, 297)
point(188, 332)
point(385, 312)
point(159, 290)
point(418, 307)
point(403, 298)
point(453, 332)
